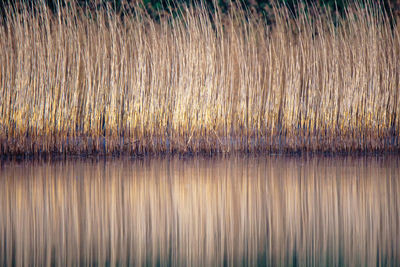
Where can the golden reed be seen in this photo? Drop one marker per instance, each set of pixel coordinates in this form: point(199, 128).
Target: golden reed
point(85, 82)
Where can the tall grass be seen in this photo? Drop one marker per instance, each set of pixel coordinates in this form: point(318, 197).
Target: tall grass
point(80, 81)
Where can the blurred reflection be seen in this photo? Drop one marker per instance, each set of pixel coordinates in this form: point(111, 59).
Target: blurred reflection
point(199, 211)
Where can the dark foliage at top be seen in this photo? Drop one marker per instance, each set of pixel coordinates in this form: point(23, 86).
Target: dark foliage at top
point(157, 8)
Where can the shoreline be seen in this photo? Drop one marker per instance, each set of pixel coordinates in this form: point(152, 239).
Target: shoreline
point(85, 147)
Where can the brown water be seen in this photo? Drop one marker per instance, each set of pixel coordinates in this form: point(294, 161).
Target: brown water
point(201, 211)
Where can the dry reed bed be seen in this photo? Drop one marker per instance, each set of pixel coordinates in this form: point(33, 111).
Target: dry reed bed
point(76, 82)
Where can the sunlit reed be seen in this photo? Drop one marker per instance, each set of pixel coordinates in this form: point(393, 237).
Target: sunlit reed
point(84, 82)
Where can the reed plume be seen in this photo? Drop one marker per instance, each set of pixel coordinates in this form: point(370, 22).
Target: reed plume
point(86, 82)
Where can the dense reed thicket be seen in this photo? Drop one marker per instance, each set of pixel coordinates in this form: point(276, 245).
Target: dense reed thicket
point(98, 82)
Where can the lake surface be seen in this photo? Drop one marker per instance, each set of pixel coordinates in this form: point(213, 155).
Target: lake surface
point(273, 210)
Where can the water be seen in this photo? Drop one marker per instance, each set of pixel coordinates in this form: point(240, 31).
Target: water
point(201, 211)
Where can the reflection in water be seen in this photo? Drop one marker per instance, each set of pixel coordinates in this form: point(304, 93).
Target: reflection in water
point(169, 211)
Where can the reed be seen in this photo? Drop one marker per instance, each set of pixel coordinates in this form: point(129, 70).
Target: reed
point(86, 82)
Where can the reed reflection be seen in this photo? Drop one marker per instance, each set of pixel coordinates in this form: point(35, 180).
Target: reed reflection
point(232, 211)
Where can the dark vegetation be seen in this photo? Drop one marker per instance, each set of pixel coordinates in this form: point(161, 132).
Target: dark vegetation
point(157, 8)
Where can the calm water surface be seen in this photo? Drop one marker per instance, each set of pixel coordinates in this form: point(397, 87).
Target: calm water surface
point(201, 211)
